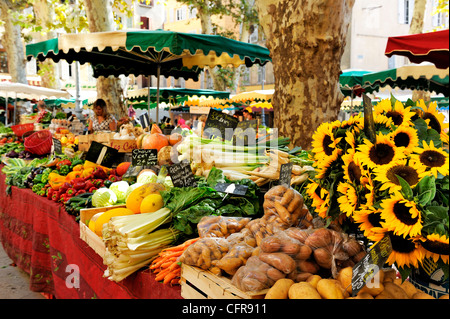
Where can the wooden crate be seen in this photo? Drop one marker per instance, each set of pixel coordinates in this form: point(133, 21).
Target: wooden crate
point(197, 283)
point(87, 235)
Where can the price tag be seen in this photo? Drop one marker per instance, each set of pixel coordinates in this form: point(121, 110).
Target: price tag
point(101, 154)
point(220, 124)
point(368, 267)
point(141, 157)
point(286, 174)
point(234, 189)
point(57, 146)
point(181, 174)
point(145, 120)
point(245, 133)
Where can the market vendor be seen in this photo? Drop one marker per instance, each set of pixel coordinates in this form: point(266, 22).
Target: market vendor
point(41, 110)
point(101, 120)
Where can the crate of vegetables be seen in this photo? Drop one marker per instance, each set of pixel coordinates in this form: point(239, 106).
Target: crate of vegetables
point(89, 232)
point(197, 283)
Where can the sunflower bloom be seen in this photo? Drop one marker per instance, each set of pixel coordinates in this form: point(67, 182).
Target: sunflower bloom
point(405, 251)
point(348, 201)
point(433, 159)
point(369, 221)
point(387, 176)
point(352, 167)
point(324, 143)
point(406, 137)
point(436, 246)
point(431, 115)
point(380, 154)
point(401, 216)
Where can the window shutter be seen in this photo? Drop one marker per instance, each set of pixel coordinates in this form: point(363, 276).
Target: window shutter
point(401, 11)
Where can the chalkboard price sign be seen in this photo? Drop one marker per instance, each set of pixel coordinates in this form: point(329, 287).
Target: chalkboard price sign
point(57, 146)
point(286, 174)
point(101, 154)
point(181, 175)
point(220, 124)
point(145, 120)
point(367, 267)
point(141, 157)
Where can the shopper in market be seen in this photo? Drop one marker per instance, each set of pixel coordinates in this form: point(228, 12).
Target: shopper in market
point(101, 121)
point(247, 115)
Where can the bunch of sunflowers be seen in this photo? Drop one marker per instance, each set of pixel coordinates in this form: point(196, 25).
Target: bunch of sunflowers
point(395, 185)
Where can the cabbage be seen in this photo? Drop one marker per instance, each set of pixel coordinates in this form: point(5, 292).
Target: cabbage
point(132, 188)
point(147, 177)
point(103, 197)
point(120, 189)
point(168, 182)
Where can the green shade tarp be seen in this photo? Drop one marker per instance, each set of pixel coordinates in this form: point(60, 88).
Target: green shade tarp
point(412, 77)
point(349, 79)
point(146, 52)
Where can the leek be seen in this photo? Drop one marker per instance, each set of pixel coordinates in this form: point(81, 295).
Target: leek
point(133, 241)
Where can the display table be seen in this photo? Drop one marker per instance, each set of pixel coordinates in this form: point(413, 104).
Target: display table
point(44, 241)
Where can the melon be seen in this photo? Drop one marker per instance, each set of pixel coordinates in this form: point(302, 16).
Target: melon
point(135, 198)
point(106, 216)
point(151, 203)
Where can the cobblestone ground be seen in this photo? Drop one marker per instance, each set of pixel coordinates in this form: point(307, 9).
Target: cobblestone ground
point(14, 283)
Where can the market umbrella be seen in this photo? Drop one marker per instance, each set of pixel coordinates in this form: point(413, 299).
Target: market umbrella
point(412, 77)
point(257, 95)
point(146, 52)
point(28, 92)
point(351, 79)
point(259, 107)
point(430, 47)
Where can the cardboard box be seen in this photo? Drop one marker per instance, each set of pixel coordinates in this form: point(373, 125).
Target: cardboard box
point(124, 146)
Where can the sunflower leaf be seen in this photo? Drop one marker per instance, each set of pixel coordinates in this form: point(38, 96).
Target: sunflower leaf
point(406, 189)
point(426, 190)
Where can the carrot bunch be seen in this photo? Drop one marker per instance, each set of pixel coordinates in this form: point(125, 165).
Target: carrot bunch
point(166, 265)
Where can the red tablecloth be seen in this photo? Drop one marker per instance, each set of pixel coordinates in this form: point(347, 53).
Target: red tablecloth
point(44, 241)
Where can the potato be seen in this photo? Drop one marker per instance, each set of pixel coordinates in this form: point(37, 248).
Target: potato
point(409, 288)
point(320, 238)
point(280, 289)
point(345, 278)
point(364, 295)
point(313, 280)
point(323, 257)
point(330, 289)
point(281, 261)
point(444, 296)
point(375, 286)
point(357, 258)
point(274, 274)
point(304, 252)
point(302, 276)
point(308, 266)
point(352, 247)
point(291, 248)
point(389, 274)
point(271, 244)
point(297, 233)
point(384, 295)
point(422, 295)
point(396, 291)
point(303, 290)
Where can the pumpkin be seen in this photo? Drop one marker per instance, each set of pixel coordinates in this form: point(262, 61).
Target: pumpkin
point(155, 141)
point(155, 129)
point(175, 138)
point(139, 140)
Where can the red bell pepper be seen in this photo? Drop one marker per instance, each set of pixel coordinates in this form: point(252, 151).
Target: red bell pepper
point(99, 173)
point(62, 163)
point(92, 189)
point(71, 191)
point(98, 182)
point(77, 180)
point(50, 193)
point(80, 191)
point(114, 178)
point(79, 185)
point(88, 185)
